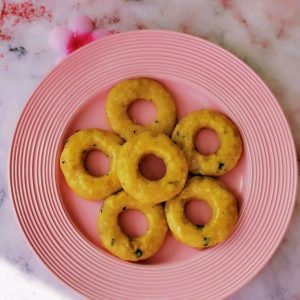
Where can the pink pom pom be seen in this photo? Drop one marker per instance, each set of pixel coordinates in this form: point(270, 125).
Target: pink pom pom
point(80, 25)
point(79, 33)
point(60, 39)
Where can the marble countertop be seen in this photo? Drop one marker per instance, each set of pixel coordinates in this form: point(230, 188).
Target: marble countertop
point(265, 34)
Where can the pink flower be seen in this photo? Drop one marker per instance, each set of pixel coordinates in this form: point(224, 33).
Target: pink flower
point(80, 31)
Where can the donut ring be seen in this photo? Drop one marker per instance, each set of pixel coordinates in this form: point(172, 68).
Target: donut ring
point(117, 242)
point(72, 161)
point(128, 91)
point(229, 152)
point(151, 191)
point(224, 213)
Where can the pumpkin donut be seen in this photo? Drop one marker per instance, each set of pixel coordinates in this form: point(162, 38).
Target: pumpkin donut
point(72, 163)
point(125, 93)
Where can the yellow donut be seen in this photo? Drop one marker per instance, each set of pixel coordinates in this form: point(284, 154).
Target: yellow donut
point(72, 163)
point(229, 152)
point(118, 243)
point(126, 92)
point(151, 191)
point(224, 213)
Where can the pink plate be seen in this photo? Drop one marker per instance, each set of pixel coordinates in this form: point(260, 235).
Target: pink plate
point(61, 228)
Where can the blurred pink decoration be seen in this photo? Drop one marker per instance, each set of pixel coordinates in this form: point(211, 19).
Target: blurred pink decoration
point(80, 31)
point(80, 25)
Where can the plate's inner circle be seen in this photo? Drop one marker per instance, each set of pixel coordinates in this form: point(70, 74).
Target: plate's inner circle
point(91, 114)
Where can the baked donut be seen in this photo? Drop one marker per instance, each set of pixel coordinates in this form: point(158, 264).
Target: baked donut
point(125, 93)
point(223, 219)
point(144, 190)
point(72, 163)
point(228, 153)
point(121, 245)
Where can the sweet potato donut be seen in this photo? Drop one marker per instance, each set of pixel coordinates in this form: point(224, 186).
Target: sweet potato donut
point(151, 191)
point(229, 152)
point(126, 92)
point(224, 213)
point(117, 242)
point(72, 163)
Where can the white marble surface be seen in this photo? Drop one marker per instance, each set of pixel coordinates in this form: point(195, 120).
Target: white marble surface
point(265, 34)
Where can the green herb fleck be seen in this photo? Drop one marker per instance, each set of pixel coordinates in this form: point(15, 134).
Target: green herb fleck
point(63, 162)
point(173, 182)
point(205, 241)
point(112, 242)
point(177, 133)
point(200, 226)
point(138, 252)
point(221, 165)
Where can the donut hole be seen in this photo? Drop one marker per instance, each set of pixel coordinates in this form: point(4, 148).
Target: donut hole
point(142, 112)
point(96, 163)
point(198, 212)
point(132, 222)
point(207, 141)
point(152, 167)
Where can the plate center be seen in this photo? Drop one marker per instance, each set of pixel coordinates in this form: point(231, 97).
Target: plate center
point(152, 167)
point(142, 111)
point(198, 212)
point(133, 222)
point(207, 141)
point(97, 163)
